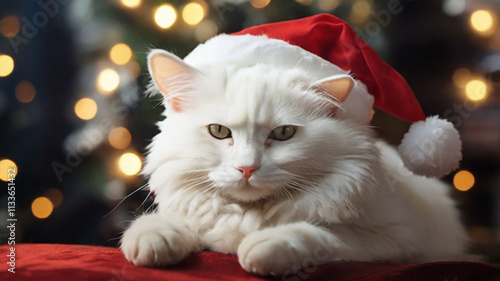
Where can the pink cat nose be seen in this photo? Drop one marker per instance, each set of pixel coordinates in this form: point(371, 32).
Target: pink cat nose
point(247, 171)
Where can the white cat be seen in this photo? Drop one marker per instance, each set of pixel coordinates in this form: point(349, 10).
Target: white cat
point(273, 161)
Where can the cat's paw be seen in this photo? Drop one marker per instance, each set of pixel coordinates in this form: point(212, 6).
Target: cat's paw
point(268, 253)
point(153, 241)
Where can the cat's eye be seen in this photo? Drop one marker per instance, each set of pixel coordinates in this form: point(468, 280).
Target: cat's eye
point(283, 133)
point(219, 132)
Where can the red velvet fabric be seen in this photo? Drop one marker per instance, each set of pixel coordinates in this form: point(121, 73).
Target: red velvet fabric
point(335, 41)
point(76, 263)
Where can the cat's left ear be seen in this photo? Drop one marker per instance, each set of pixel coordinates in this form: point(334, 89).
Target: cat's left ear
point(170, 74)
point(339, 86)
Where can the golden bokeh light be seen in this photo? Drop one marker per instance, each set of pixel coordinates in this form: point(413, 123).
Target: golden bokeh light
point(360, 11)
point(55, 196)
point(259, 4)
point(131, 3)
point(7, 169)
point(476, 90)
point(193, 13)
point(482, 21)
point(119, 138)
point(135, 68)
point(108, 81)
point(130, 164)
point(461, 76)
point(25, 92)
point(120, 54)
point(205, 30)
point(42, 207)
point(304, 2)
point(165, 16)
point(463, 180)
point(6, 65)
point(328, 5)
point(9, 26)
point(86, 109)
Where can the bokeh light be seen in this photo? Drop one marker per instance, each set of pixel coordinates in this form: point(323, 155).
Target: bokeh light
point(42, 207)
point(193, 13)
point(7, 168)
point(6, 65)
point(165, 16)
point(360, 11)
point(107, 81)
point(135, 68)
point(463, 180)
point(86, 108)
point(304, 2)
point(476, 90)
point(55, 196)
point(25, 92)
point(131, 3)
point(461, 76)
point(454, 7)
point(328, 5)
point(259, 4)
point(482, 21)
point(9, 26)
point(130, 164)
point(120, 54)
point(205, 30)
point(119, 138)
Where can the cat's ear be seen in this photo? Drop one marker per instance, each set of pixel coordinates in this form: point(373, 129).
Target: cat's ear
point(339, 86)
point(170, 74)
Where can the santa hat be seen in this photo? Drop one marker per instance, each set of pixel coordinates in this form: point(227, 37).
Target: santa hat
point(432, 146)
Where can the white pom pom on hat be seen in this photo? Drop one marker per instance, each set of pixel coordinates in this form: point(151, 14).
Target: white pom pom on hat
point(431, 147)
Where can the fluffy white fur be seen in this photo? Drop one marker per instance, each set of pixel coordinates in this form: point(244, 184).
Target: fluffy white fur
point(331, 192)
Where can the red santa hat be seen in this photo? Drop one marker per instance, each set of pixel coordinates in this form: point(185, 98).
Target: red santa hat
point(432, 146)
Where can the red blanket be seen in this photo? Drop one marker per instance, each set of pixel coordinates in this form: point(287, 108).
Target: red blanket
point(75, 263)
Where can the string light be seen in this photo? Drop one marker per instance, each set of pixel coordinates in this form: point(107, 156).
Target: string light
point(25, 92)
point(476, 90)
point(360, 11)
point(42, 207)
point(131, 3)
point(135, 68)
point(119, 138)
point(259, 4)
point(9, 26)
point(6, 65)
point(129, 163)
point(7, 167)
point(463, 180)
point(193, 13)
point(120, 54)
point(482, 21)
point(108, 81)
point(165, 16)
point(86, 109)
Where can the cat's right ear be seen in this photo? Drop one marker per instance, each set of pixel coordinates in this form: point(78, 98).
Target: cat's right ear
point(171, 75)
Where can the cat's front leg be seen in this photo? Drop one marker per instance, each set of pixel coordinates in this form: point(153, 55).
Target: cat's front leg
point(154, 241)
point(286, 249)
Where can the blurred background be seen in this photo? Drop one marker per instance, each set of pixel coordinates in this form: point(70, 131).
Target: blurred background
point(75, 124)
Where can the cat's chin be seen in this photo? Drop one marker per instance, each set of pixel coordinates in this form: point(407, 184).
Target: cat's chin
point(247, 193)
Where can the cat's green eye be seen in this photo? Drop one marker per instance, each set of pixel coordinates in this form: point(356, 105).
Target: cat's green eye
point(219, 132)
point(283, 133)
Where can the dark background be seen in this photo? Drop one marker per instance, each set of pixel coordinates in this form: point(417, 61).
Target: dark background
point(62, 53)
